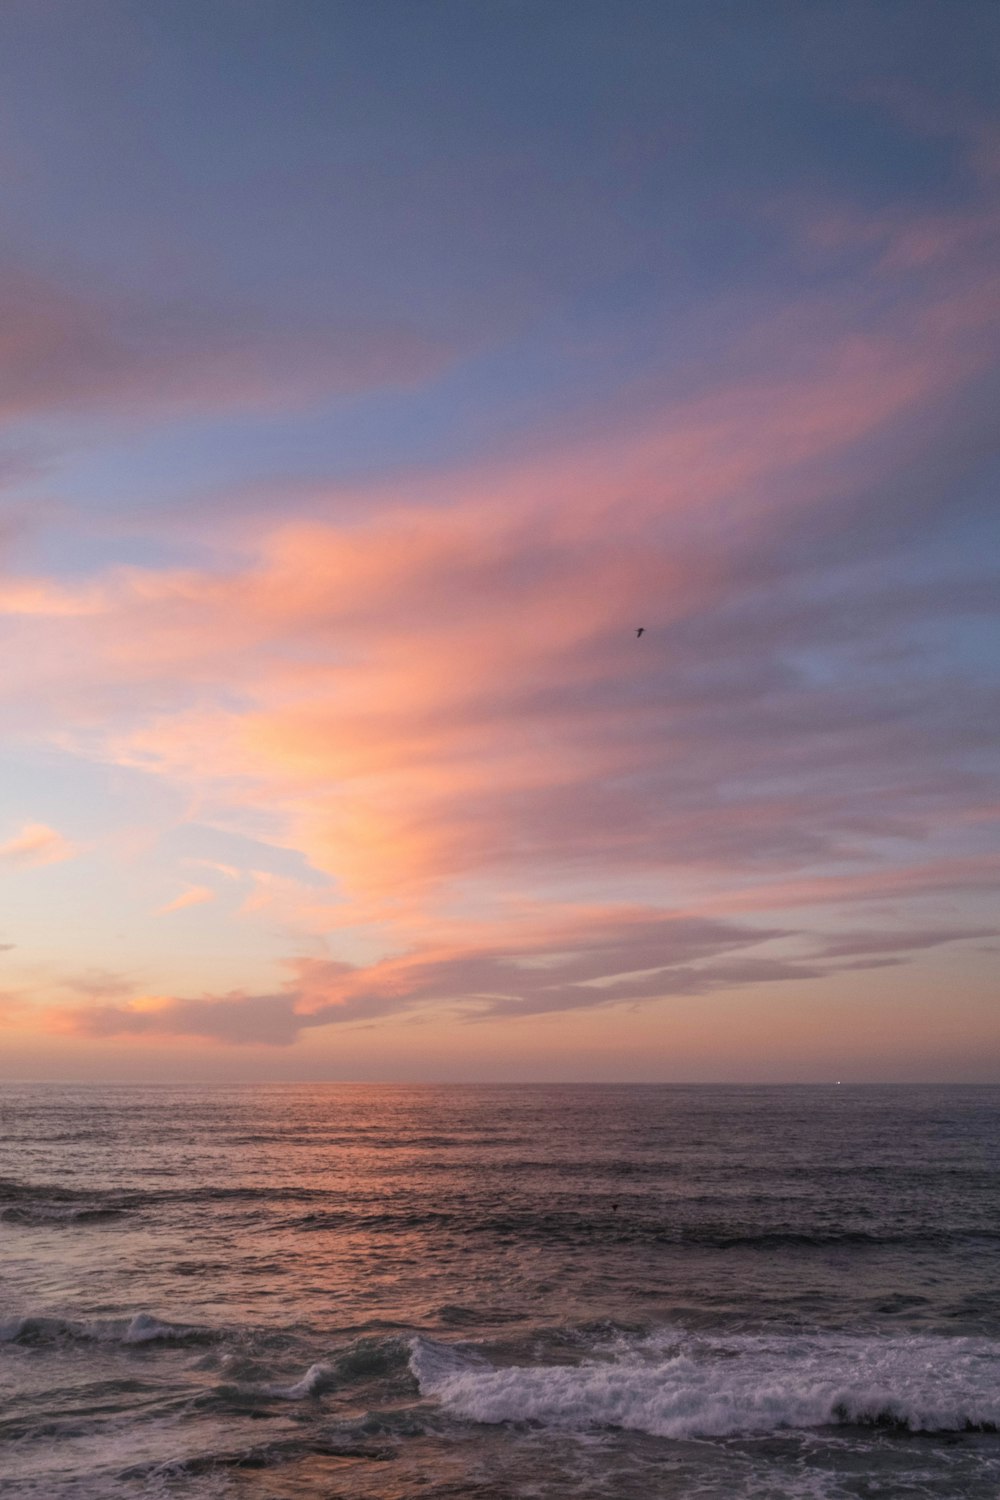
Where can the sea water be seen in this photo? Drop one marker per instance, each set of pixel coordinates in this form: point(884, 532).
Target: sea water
point(357, 1291)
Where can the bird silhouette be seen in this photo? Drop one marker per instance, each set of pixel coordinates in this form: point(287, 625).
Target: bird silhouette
point(639, 631)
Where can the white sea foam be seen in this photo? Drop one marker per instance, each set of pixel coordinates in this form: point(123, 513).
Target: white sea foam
point(711, 1387)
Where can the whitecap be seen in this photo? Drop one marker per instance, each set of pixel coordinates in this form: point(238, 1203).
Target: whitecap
point(712, 1387)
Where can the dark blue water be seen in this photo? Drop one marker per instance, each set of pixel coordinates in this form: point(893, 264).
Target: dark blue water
point(335, 1290)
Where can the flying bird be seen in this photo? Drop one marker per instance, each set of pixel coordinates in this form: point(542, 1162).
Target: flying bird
point(639, 631)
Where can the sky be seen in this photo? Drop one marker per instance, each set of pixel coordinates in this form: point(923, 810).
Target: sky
point(370, 372)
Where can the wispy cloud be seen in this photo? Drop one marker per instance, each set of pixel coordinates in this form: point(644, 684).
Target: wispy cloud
point(231, 872)
point(66, 347)
point(599, 959)
point(37, 844)
point(103, 984)
point(195, 895)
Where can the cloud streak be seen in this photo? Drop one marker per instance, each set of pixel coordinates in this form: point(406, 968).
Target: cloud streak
point(604, 959)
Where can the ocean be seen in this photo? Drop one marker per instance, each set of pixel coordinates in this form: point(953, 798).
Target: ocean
point(262, 1292)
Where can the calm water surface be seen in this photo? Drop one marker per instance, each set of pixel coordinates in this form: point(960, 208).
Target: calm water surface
point(352, 1291)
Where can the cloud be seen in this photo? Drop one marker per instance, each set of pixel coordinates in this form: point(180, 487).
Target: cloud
point(229, 871)
point(99, 984)
point(441, 703)
point(597, 966)
point(195, 895)
point(448, 692)
point(896, 881)
point(260, 1020)
point(37, 844)
point(64, 348)
point(593, 961)
point(851, 944)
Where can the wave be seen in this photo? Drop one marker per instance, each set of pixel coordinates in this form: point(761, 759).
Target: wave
point(688, 1387)
point(56, 1214)
point(583, 1228)
point(14, 1190)
point(364, 1360)
point(143, 1328)
point(257, 1456)
point(52, 1205)
point(311, 1210)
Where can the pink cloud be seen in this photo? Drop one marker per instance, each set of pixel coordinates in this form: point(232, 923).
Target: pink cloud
point(195, 895)
point(598, 959)
point(37, 844)
point(955, 875)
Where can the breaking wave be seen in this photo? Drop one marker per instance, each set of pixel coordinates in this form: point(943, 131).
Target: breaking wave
point(714, 1387)
point(143, 1328)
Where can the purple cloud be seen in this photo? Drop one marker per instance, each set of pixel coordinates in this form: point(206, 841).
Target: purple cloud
point(621, 962)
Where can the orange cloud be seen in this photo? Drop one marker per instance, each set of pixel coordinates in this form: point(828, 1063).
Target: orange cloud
point(195, 895)
point(37, 844)
point(38, 596)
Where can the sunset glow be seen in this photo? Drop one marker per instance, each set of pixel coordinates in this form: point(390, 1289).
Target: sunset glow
point(362, 394)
